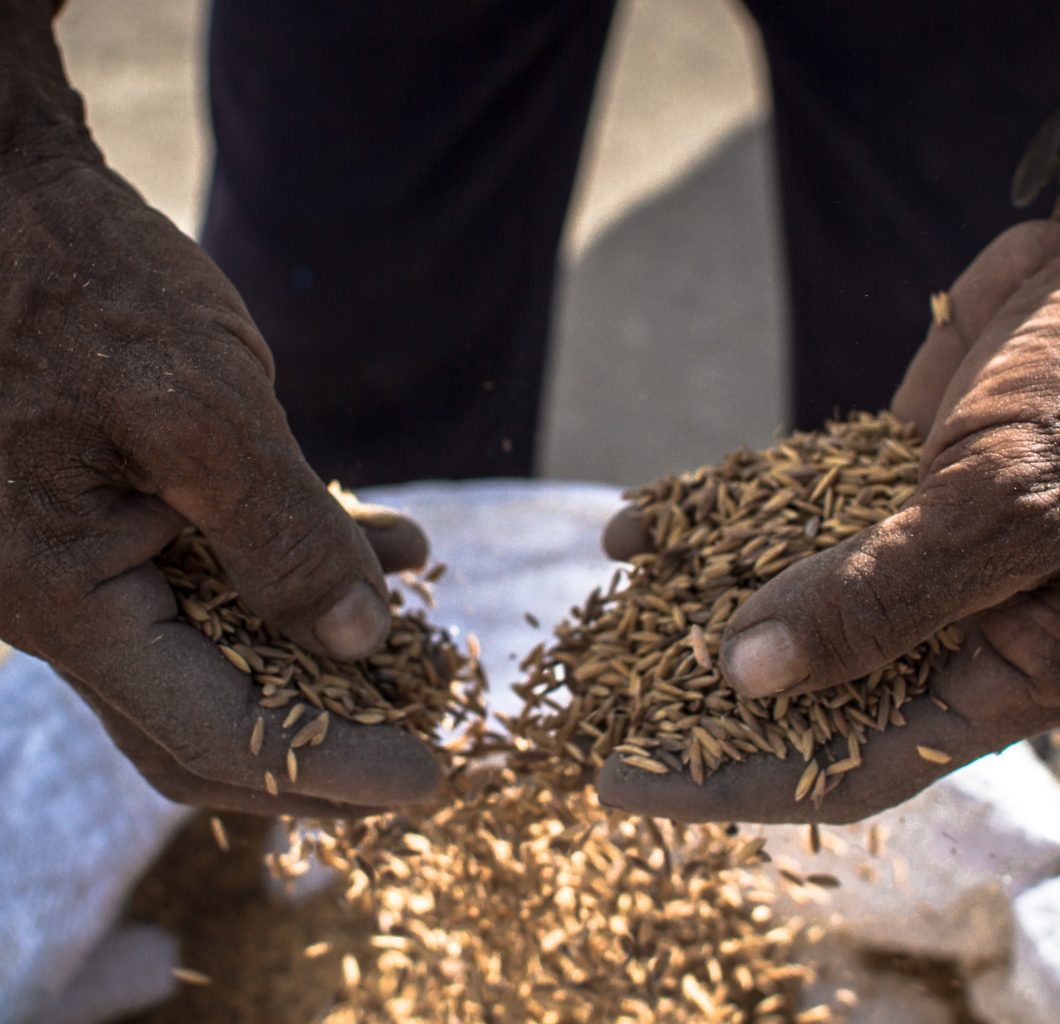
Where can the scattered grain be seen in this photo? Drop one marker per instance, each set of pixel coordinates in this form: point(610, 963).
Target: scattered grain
point(941, 308)
point(219, 834)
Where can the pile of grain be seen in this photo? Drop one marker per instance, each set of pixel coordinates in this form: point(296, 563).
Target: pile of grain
point(515, 902)
point(637, 672)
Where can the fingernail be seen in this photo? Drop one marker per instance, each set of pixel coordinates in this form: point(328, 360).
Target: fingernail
point(356, 625)
point(764, 660)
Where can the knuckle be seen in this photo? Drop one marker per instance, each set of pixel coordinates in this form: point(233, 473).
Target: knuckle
point(998, 495)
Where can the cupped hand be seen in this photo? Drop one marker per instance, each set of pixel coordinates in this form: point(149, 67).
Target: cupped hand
point(979, 543)
point(136, 397)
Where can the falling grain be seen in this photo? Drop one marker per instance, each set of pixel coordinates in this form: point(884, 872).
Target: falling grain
point(219, 834)
point(190, 976)
point(941, 308)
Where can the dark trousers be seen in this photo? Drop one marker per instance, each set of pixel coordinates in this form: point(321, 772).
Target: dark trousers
point(391, 182)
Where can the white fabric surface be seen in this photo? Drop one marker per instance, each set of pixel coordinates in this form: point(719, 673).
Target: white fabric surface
point(79, 825)
point(130, 969)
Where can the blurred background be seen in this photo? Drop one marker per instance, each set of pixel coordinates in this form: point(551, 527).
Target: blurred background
point(668, 332)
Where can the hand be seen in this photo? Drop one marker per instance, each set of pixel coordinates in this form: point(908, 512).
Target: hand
point(979, 543)
point(135, 397)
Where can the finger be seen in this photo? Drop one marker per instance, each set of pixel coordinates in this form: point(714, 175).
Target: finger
point(224, 458)
point(626, 535)
point(398, 542)
point(975, 297)
point(992, 704)
point(183, 694)
point(844, 612)
point(159, 768)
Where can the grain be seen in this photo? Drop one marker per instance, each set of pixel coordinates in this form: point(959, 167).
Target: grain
point(351, 971)
point(219, 834)
point(941, 308)
point(190, 976)
point(257, 736)
point(236, 658)
point(646, 683)
point(933, 755)
point(806, 781)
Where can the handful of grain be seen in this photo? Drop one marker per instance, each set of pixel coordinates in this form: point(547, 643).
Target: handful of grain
point(639, 662)
point(419, 682)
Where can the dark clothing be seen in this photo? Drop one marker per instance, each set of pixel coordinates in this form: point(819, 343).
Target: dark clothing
point(898, 127)
point(390, 186)
point(391, 182)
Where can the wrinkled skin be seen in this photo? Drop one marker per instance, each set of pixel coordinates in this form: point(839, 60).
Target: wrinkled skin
point(979, 543)
point(136, 397)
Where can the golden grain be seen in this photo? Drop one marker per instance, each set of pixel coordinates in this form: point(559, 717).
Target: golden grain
point(236, 658)
point(933, 755)
point(219, 834)
point(941, 308)
point(257, 736)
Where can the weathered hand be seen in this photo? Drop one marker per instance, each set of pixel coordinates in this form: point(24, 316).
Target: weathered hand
point(979, 542)
point(135, 397)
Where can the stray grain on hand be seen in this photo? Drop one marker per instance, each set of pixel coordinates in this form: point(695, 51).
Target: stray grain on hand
point(933, 755)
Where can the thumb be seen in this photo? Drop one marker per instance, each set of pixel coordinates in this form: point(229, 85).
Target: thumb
point(290, 549)
point(841, 614)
